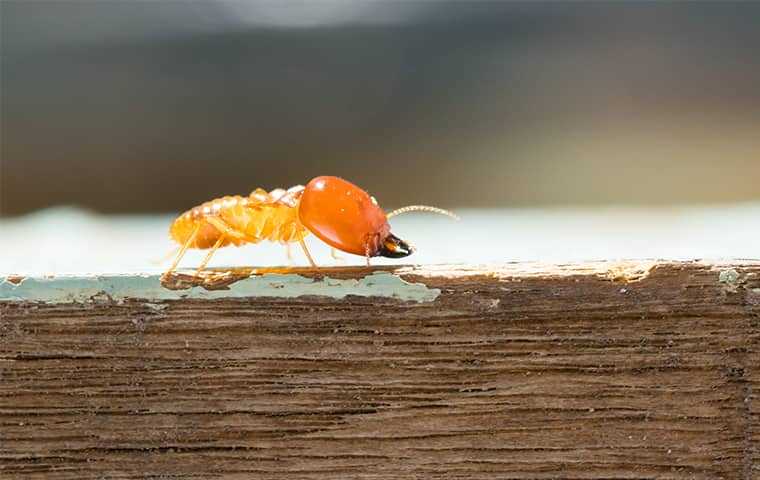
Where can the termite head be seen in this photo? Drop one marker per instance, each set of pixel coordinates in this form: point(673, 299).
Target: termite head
point(347, 218)
point(394, 247)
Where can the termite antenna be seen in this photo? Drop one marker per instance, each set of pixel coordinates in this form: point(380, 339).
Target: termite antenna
point(423, 208)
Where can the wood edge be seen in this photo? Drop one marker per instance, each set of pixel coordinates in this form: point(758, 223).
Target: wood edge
point(411, 281)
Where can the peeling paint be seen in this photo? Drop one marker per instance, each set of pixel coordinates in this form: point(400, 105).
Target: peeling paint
point(15, 279)
point(79, 289)
point(628, 272)
point(729, 276)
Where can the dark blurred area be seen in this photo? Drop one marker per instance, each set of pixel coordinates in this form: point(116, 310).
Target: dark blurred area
point(157, 106)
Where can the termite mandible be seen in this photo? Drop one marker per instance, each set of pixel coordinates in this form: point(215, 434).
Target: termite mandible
point(336, 211)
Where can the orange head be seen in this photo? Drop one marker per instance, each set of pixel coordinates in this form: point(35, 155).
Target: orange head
point(347, 218)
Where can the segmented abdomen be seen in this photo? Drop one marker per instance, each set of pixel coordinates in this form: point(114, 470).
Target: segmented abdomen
point(261, 216)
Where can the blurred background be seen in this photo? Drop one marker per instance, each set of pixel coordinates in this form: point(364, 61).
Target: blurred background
point(157, 106)
point(559, 130)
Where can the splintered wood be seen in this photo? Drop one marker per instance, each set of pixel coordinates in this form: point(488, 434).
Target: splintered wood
point(521, 371)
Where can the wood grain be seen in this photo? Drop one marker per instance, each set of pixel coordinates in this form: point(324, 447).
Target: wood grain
point(521, 371)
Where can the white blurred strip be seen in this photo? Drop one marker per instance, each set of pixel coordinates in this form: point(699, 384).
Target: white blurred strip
point(66, 240)
point(303, 14)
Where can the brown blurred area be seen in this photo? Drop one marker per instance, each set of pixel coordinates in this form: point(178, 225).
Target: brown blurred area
point(157, 106)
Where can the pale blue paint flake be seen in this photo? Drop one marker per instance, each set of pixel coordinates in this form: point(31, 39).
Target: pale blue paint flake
point(80, 289)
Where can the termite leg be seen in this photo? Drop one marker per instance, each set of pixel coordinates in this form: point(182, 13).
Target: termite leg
point(169, 254)
point(366, 251)
point(225, 229)
point(289, 253)
point(182, 251)
point(306, 251)
point(210, 253)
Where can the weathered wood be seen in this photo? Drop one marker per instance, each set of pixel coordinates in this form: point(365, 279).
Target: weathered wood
point(522, 371)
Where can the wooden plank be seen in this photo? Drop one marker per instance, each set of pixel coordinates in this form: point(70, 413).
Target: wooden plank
point(632, 370)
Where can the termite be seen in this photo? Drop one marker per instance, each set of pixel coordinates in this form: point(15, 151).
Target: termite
point(336, 211)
